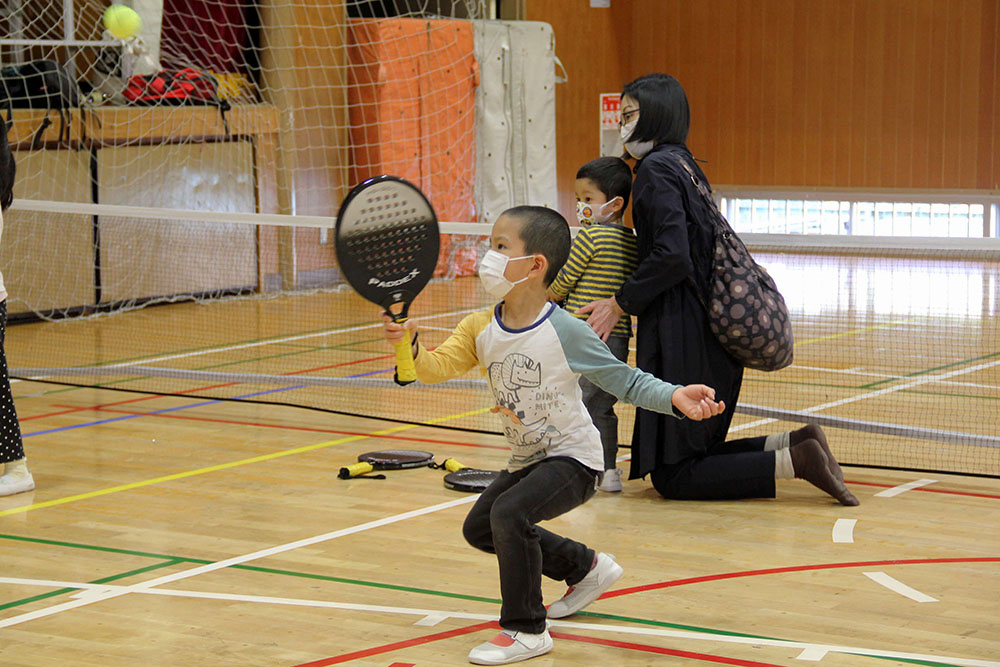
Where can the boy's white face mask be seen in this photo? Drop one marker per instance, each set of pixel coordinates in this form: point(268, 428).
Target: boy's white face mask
point(636, 149)
point(491, 273)
point(586, 215)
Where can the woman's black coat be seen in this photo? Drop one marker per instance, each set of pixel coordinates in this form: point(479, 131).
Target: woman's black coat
point(673, 341)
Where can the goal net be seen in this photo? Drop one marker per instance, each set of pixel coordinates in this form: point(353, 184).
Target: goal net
point(304, 99)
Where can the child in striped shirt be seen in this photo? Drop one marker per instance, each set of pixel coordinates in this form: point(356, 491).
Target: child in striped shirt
point(602, 257)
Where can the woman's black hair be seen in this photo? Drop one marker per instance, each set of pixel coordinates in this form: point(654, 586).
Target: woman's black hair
point(664, 116)
point(7, 168)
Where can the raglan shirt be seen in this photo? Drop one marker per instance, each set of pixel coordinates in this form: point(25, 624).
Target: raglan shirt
point(534, 373)
point(601, 258)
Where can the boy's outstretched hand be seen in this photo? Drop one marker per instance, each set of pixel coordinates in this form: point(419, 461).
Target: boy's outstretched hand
point(697, 402)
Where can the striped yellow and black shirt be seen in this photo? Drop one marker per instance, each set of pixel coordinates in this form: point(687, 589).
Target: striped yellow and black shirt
point(601, 258)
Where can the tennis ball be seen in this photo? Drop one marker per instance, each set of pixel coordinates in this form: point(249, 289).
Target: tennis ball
point(122, 21)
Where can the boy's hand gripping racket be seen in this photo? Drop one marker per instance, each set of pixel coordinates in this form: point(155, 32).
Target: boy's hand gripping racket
point(387, 244)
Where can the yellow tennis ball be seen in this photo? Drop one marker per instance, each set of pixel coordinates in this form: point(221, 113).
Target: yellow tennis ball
point(122, 21)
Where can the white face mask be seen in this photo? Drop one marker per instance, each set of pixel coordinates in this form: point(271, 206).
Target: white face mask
point(636, 149)
point(586, 215)
point(491, 273)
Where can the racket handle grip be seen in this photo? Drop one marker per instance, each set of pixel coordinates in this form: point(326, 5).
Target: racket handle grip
point(451, 465)
point(355, 470)
point(406, 372)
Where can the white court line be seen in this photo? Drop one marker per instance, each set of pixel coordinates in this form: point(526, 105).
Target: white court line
point(843, 530)
point(270, 341)
point(238, 560)
point(898, 587)
point(439, 615)
point(858, 371)
point(873, 394)
point(813, 653)
point(903, 488)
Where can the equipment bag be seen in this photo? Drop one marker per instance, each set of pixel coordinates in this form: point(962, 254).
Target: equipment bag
point(40, 84)
point(746, 312)
point(176, 87)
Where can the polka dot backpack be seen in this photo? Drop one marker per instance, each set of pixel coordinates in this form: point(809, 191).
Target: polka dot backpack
point(746, 312)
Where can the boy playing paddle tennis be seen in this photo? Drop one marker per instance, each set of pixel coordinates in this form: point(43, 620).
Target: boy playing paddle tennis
point(533, 353)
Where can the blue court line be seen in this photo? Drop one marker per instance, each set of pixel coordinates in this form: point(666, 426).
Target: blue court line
point(155, 412)
point(111, 420)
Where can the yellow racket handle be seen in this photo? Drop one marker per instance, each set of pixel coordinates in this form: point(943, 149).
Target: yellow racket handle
point(355, 470)
point(406, 372)
point(453, 466)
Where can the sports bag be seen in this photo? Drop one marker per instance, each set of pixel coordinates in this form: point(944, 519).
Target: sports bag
point(176, 87)
point(746, 312)
point(40, 84)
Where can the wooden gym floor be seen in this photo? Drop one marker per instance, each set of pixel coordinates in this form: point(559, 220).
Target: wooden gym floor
point(182, 531)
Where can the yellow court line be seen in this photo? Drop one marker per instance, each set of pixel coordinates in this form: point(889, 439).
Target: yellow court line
point(847, 333)
point(233, 464)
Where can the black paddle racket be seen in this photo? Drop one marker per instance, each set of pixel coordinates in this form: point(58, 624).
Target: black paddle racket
point(387, 243)
point(389, 459)
point(463, 478)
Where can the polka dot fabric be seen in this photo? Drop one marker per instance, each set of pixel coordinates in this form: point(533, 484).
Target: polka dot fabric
point(11, 446)
point(746, 312)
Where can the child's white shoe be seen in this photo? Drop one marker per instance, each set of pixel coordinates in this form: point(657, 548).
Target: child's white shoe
point(611, 481)
point(604, 573)
point(511, 646)
point(16, 483)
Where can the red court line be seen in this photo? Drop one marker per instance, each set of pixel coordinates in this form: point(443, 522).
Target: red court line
point(125, 402)
point(638, 589)
point(237, 422)
point(646, 648)
point(376, 650)
point(931, 490)
point(213, 386)
point(795, 568)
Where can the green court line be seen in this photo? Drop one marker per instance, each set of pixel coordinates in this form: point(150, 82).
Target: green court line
point(174, 560)
point(103, 580)
point(197, 368)
point(977, 397)
point(930, 370)
point(250, 341)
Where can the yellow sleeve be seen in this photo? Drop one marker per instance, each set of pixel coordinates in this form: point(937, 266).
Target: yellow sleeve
point(454, 357)
point(580, 253)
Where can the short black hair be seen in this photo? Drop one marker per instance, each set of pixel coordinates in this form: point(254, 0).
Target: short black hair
point(8, 168)
point(664, 116)
point(611, 175)
point(544, 232)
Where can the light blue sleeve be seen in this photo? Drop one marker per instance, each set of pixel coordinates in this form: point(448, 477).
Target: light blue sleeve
point(590, 357)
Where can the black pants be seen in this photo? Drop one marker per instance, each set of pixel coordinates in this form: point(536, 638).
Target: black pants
point(503, 522)
point(601, 406)
point(728, 471)
point(11, 447)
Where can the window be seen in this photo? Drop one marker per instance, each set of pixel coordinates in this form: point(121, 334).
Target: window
point(860, 217)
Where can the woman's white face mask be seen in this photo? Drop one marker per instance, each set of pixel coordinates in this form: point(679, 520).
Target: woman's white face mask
point(637, 149)
point(491, 273)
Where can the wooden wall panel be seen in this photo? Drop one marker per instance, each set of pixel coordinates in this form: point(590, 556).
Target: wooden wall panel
point(800, 93)
point(988, 164)
point(592, 44)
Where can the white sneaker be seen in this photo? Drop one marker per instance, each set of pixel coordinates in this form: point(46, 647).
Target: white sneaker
point(11, 484)
point(611, 481)
point(598, 580)
point(511, 646)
